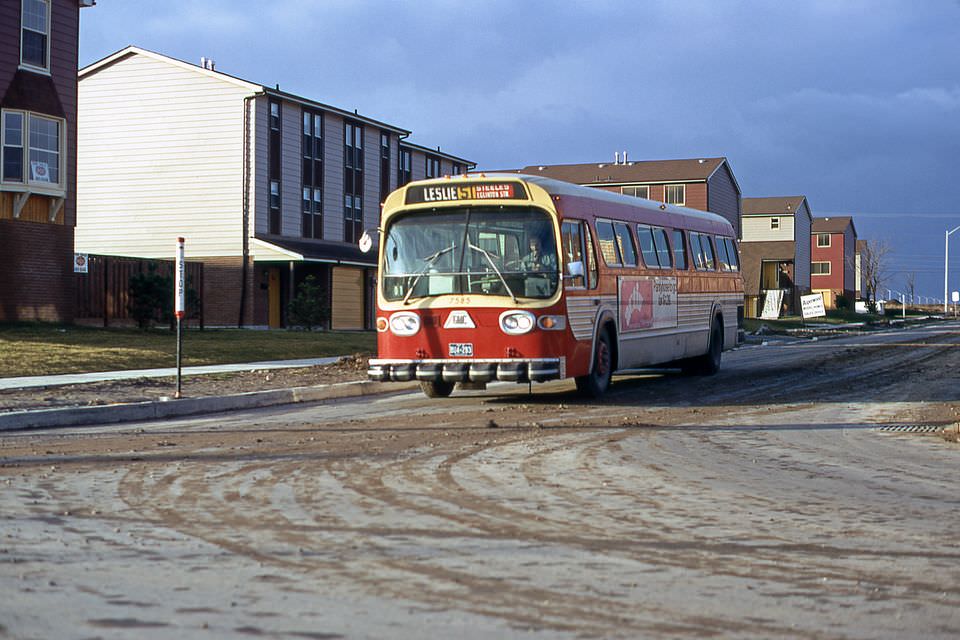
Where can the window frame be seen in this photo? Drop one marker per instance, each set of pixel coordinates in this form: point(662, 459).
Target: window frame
point(775, 224)
point(26, 151)
point(44, 68)
point(646, 189)
point(829, 242)
point(432, 166)
point(312, 155)
point(607, 226)
point(683, 191)
point(353, 169)
point(404, 166)
point(701, 261)
point(621, 230)
point(682, 248)
point(829, 270)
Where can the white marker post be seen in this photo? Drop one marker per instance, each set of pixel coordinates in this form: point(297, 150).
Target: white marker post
point(179, 304)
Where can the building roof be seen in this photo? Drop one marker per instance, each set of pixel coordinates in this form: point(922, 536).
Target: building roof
point(631, 172)
point(832, 224)
point(778, 205)
point(406, 143)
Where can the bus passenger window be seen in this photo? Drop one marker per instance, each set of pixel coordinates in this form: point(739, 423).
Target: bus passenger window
point(732, 254)
point(702, 251)
point(647, 248)
point(723, 262)
point(679, 250)
point(608, 244)
point(663, 249)
point(708, 253)
point(698, 261)
point(628, 252)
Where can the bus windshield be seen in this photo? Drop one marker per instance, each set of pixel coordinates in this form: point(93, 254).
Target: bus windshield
point(470, 250)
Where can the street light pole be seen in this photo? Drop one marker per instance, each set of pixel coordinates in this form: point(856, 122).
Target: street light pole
point(946, 266)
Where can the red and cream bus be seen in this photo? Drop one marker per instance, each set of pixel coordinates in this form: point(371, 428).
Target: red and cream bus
point(527, 279)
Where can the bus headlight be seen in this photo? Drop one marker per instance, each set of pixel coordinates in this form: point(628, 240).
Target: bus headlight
point(517, 322)
point(404, 323)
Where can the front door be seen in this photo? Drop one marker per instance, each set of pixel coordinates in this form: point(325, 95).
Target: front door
point(274, 297)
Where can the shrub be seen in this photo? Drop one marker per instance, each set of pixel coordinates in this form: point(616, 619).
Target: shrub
point(843, 302)
point(309, 308)
point(151, 297)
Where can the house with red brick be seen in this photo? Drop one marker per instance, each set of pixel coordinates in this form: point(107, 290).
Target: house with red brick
point(38, 150)
point(707, 184)
point(833, 269)
point(775, 253)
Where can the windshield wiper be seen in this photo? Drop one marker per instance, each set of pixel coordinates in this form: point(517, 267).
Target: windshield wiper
point(495, 270)
point(431, 259)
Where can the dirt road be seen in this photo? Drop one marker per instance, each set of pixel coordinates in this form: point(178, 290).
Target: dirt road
point(772, 500)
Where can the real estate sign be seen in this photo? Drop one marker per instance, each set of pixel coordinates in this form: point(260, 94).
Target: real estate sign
point(812, 306)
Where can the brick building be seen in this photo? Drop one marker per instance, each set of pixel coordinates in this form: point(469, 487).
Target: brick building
point(267, 187)
point(38, 108)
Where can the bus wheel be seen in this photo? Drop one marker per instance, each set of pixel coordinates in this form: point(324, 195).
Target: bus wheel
point(438, 389)
point(595, 383)
point(709, 363)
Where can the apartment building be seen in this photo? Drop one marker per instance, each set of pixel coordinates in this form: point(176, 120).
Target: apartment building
point(833, 255)
point(38, 118)
point(267, 187)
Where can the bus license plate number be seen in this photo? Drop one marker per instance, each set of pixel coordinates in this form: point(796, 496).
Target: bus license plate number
point(461, 349)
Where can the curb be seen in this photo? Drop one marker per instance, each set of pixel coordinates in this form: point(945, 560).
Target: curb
point(158, 410)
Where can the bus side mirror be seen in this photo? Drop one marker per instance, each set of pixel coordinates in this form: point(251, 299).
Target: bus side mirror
point(369, 240)
point(575, 269)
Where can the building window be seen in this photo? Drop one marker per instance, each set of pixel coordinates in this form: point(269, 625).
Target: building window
point(404, 167)
point(433, 166)
point(819, 268)
point(312, 187)
point(457, 169)
point(35, 34)
point(32, 148)
point(275, 216)
point(637, 192)
point(352, 182)
point(676, 194)
point(384, 166)
point(823, 239)
point(774, 223)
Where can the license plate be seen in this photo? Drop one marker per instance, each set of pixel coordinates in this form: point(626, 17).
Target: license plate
point(461, 349)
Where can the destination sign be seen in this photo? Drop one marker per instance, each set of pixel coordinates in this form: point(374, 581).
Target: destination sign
point(452, 192)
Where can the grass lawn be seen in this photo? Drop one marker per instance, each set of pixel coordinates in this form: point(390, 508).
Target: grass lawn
point(38, 349)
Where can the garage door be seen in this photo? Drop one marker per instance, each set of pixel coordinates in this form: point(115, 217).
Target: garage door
point(348, 295)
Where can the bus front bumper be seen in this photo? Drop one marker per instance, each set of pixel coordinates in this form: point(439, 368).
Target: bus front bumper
point(467, 370)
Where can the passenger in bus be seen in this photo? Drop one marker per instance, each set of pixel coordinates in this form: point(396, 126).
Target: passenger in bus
point(536, 259)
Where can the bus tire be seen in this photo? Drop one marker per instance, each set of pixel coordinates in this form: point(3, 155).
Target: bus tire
point(709, 363)
point(596, 383)
point(436, 389)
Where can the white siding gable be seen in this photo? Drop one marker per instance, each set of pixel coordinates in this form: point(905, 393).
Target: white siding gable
point(160, 155)
point(758, 229)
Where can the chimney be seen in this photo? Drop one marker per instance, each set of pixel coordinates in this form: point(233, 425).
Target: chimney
point(616, 157)
point(624, 156)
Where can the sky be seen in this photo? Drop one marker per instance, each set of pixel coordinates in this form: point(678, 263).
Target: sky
point(853, 103)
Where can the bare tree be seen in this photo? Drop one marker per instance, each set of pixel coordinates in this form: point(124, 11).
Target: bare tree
point(873, 265)
point(911, 285)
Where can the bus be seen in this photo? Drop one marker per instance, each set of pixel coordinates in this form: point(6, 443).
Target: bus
point(503, 277)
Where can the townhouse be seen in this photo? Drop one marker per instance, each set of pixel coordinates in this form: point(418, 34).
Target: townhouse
point(267, 187)
point(707, 184)
point(38, 109)
point(833, 267)
point(775, 253)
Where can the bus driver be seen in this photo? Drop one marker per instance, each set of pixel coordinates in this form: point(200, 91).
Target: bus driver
point(536, 260)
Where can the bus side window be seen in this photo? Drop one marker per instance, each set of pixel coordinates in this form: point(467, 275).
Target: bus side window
point(663, 248)
point(695, 247)
point(732, 253)
point(608, 243)
point(679, 250)
point(649, 251)
point(723, 261)
point(625, 244)
point(571, 240)
point(703, 250)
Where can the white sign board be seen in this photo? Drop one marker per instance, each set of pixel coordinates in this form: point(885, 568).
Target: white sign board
point(955, 296)
point(771, 304)
point(812, 306)
point(180, 283)
point(80, 263)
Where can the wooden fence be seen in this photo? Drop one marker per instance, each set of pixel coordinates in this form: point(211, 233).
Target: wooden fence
point(103, 293)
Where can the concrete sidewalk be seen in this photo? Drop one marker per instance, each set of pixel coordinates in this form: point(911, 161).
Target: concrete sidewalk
point(100, 376)
point(169, 409)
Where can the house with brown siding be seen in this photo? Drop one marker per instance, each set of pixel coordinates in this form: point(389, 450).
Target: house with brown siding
point(38, 108)
point(775, 251)
point(833, 270)
point(266, 187)
point(707, 184)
